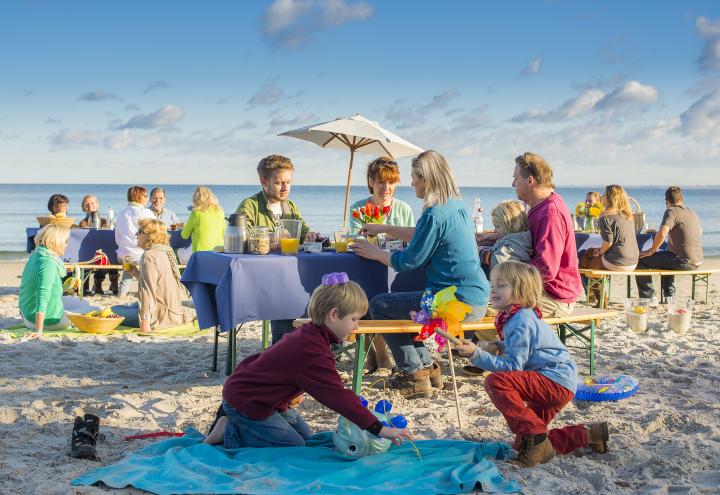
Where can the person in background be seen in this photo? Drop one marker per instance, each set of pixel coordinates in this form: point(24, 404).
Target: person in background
point(533, 374)
point(160, 293)
point(383, 176)
point(619, 250)
point(58, 205)
point(592, 198)
point(269, 206)
point(514, 239)
point(126, 228)
point(682, 226)
point(443, 244)
point(91, 208)
point(553, 235)
point(165, 215)
point(40, 300)
point(206, 224)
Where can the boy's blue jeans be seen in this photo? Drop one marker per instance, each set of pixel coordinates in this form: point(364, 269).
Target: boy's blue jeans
point(409, 355)
point(281, 429)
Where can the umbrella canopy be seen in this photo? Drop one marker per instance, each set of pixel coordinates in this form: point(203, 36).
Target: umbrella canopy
point(355, 134)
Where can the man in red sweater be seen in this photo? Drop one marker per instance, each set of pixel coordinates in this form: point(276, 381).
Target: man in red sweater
point(257, 396)
point(553, 235)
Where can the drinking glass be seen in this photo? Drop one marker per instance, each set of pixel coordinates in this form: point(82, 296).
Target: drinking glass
point(290, 236)
point(341, 241)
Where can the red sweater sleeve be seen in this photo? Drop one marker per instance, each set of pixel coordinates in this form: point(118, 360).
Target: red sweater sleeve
point(320, 379)
point(548, 244)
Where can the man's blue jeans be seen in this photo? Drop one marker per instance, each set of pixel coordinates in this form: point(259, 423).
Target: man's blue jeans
point(409, 355)
point(660, 260)
point(281, 429)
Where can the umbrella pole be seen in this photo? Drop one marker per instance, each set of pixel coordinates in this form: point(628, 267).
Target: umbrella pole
point(347, 188)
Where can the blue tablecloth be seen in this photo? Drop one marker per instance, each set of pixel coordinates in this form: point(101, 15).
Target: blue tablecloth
point(83, 243)
point(229, 289)
point(585, 240)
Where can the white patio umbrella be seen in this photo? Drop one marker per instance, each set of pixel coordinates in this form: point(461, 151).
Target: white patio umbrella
point(355, 134)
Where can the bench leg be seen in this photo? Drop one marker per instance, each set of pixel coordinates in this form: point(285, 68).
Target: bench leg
point(215, 348)
point(603, 285)
point(629, 286)
point(592, 348)
point(265, 334)
point(358, 364)
point(81, 277)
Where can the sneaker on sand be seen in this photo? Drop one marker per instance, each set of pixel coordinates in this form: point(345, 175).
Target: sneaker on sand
point(84, 437)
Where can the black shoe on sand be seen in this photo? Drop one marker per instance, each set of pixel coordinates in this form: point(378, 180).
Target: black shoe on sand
point(84, 437)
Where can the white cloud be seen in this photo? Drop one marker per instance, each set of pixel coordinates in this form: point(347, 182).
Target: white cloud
point(98, 95)
point(405, 114)
point(302, 118)
point(132, 107)
point(710, 55)
point(53, 121)
point(73, 138)
point(628, 93)
point(632, 93)
point(166, 116)
point(155, 85)
point(290, 23)
point(269, 94)
point(702, 119)
point(532, 68)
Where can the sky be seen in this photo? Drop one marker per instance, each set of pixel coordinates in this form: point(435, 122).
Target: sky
point(181, 92)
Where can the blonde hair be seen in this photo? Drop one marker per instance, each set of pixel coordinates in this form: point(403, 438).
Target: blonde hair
point(204, 199)
point(535, 165)
point(617, 199)
point(527, 286)
point(348, 298)
point(272, 163)
point(52, 236)
point(155, 230)
point(440, 183)
point(86, 197)
point(510, 217)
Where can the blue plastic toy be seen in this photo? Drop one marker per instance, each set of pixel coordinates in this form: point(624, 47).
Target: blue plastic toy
point(606, 388)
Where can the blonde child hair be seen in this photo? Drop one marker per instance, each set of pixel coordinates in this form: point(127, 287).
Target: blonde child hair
point(440, 185)
point(509, 217)
point(348, 298)
point(527, 287)
point(155, 230)
point(52, 236)
point(204, 199)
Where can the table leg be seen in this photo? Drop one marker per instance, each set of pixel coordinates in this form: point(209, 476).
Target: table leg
point(358, 364)
point(692, 292)
point(215, 348)
point(265, 334)
point(230, 358)
point(629, 287)
point(81, 277)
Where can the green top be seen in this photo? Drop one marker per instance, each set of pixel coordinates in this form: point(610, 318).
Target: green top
point(207, 229)
point(41, 286)
point(257, 214)
point(400, 214)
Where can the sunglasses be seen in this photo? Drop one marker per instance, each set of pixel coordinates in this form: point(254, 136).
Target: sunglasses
point(385, 162)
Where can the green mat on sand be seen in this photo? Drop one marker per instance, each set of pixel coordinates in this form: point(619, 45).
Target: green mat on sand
point(19, 331)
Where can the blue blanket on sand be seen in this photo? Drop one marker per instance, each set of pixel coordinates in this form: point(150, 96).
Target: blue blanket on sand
point(185, 465)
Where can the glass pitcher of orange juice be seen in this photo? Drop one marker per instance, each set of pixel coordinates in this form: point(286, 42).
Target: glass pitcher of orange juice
point(290, 236)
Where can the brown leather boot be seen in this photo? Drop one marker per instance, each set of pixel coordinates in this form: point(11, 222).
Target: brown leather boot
point(534, 450)
point(436, 379)
point(413, 385)
point(598, 436)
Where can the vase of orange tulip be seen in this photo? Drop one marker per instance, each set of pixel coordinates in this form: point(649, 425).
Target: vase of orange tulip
point(371, 213)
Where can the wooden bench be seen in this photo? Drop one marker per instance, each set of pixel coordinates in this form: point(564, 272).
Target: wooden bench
point(81, 267)
point(601, 279)
point(580, 324)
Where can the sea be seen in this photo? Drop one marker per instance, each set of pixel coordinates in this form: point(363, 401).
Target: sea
point(322, 206)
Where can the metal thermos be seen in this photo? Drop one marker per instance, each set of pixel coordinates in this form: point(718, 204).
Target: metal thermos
point(95, 220)
point(236, 234)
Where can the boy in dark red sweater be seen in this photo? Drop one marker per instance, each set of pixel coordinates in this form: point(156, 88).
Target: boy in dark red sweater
point(257, 395)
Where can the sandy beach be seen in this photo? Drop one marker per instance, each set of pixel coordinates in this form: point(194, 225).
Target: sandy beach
point(665, 439)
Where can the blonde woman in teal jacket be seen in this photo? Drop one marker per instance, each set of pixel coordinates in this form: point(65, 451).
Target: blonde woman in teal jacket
point(41, 289)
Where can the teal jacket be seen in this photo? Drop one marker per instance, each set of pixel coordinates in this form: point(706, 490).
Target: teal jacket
point(444, 244)
point(41, 286)
point(257, 214)
point(400, 214)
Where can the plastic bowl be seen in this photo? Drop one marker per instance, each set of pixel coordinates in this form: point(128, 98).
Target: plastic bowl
point(94, 324)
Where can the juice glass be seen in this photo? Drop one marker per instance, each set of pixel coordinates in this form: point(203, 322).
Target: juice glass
point(128, 263)
point(341, 241)
point(290, 236)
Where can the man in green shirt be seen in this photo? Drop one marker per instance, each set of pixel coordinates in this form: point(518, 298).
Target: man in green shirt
point(269, 206)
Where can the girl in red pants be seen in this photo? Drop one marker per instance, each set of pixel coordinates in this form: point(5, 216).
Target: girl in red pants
point(534, 375)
